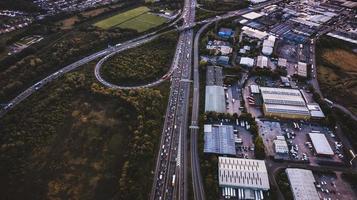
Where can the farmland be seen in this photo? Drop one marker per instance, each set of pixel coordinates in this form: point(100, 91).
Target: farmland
point(138, 19)
point(337, 72)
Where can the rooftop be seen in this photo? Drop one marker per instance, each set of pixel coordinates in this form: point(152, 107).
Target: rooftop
point(252, 15)
point(219, 139)
point(321, 144)
point(282, 96)
point(215, 99)
point(287, 109)
point(242, 173)
point(302, 184)
point(315, 110)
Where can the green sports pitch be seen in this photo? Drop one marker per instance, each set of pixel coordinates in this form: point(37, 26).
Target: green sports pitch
point(138, 19)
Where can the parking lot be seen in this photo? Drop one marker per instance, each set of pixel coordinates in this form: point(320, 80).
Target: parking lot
point(244, 149)
point(234, 98)
point(333, 187)
point(300, 146)
point(287, 50)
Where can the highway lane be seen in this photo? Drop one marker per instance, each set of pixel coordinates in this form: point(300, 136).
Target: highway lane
point(117, 48)
point(198, 189)
point(171, 173)
point(32, 89)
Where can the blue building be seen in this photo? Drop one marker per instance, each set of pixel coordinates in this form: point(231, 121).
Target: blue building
point(225, 32)
point(223, 60)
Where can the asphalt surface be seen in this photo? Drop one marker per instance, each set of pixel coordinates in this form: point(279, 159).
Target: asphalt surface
point(198, 189)
point(171, 166)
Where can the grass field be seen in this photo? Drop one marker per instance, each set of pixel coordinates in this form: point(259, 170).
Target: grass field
point(138, 19)
point(143, 22)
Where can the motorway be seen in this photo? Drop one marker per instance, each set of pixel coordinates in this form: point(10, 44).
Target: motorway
point(170, 179)
point(198, 189)
point(32, 89)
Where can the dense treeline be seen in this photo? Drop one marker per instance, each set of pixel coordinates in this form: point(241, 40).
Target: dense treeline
point(141, 65)
point(284, 185)
point(79, 140)
point(63, 51)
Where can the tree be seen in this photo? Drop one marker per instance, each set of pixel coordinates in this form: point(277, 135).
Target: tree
point(259, 149)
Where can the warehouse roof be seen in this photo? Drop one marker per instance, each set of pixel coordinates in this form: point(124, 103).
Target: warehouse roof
point(247, 61)
point(315, 110)
point(219, 139)
point(282, 62)
point(302, 69)
point(282, 96)
point(242, 173)
point(254, 33)
point(302, 184)
point(287, 109)
point(215, 100)
point(281, 146)
point(252, 15)
point(266, 50)
point(321, 144)
point(262, 61)
point(254, 89)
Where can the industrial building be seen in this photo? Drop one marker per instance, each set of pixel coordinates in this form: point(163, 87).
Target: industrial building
point(282, 62)
point(268, 45)
point(321, 145)
point(252, 15)
point(215, 99)
point(254, 89)
point(315, 111)
point(242, 178)
point(223, 60)
point(302, 184)
point(284, 103)
point(302, 69)
point(262, 61)
point(253, 33)
point(215, 95)
point(225, 32)
point(280, 146)
point(286, 111)
point(219, 139)
point(282, 96)
point(246, 61)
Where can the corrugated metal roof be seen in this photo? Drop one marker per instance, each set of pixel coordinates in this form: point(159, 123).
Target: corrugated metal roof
point(321, 144)
point(302, 184)
point(219, 139)
point(243, 173)
point(215, 99)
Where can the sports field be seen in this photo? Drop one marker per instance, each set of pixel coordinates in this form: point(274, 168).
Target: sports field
point(138, 19)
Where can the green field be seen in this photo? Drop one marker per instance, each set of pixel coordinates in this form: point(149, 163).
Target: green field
point(143, 22)
point(138, 19)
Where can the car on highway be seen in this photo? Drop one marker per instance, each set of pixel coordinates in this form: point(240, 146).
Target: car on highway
point(38, 85)
point(9, 105)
